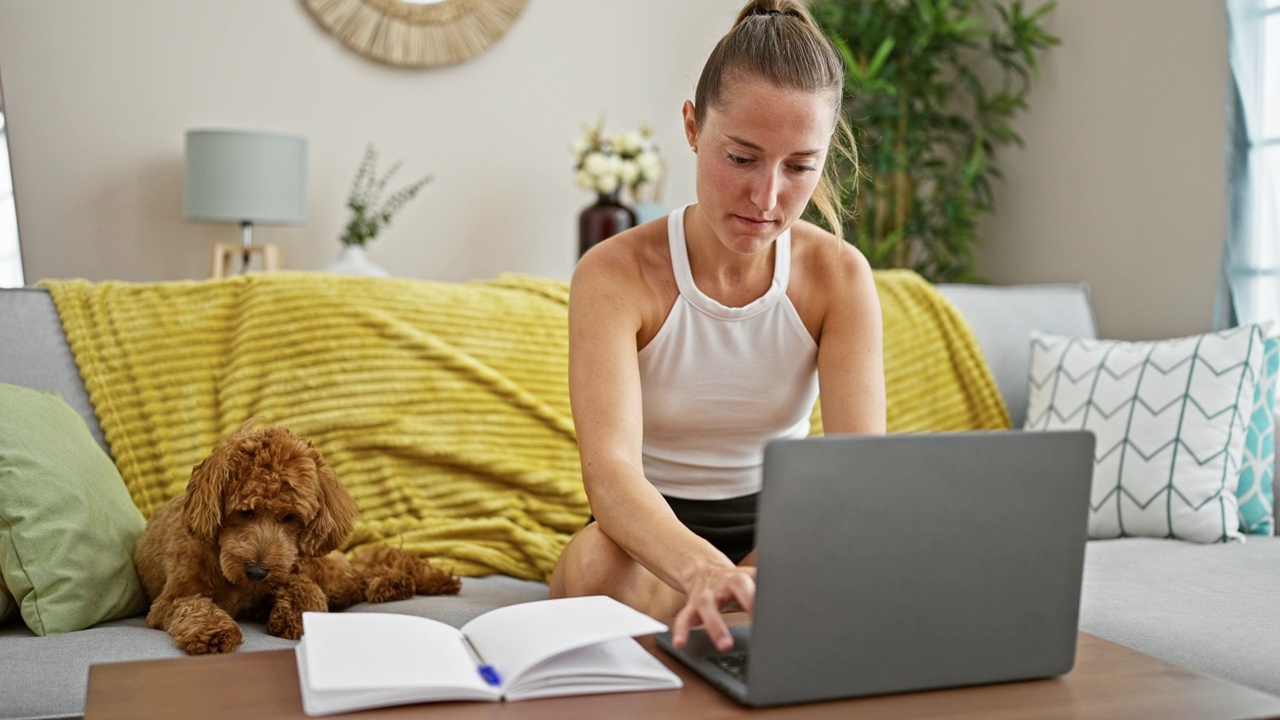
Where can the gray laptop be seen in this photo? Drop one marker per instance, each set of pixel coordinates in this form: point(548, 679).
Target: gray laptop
point(910, 562)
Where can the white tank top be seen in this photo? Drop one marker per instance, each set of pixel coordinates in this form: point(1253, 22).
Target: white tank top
point(718, 382)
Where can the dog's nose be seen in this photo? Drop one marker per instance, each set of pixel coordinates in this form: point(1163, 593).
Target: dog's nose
point(256, 572)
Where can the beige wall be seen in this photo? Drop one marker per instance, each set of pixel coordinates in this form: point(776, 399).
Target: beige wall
point(1122, 181)
point(1120, 185)
point(100, 94)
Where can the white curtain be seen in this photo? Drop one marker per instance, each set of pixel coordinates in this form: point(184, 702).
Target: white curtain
point(1249, 290)
point(10, 258)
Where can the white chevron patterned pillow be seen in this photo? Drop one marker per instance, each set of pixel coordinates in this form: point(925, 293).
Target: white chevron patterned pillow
point(1170, 418)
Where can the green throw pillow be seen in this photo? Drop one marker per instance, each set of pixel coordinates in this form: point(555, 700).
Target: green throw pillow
point(67, 525)
point(6, 603)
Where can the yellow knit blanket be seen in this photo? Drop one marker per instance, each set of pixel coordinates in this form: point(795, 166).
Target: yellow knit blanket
point(936, 378)
point(442, 406)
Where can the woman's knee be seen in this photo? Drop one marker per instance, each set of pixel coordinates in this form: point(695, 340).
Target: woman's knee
point(588, 563)
point(593, 564)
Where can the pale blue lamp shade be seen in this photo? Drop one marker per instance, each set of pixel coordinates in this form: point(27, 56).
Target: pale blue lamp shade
point(245, 177)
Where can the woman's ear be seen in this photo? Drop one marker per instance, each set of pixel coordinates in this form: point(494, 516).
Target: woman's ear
point(690, 115)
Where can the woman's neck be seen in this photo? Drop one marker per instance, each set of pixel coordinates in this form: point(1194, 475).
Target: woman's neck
point(730, 278)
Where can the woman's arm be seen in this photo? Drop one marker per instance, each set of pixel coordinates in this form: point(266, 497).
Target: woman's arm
point(851, 348)
point(606, 306)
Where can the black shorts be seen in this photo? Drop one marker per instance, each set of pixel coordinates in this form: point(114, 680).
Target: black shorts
point(729, 524)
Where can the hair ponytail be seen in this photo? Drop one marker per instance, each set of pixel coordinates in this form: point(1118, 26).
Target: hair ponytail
point(778, 40)
point(774, 8)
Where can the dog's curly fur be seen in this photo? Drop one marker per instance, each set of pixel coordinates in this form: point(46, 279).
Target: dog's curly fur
point(254, 537)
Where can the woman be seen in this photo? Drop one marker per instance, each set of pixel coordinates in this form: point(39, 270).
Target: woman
point(696, 339)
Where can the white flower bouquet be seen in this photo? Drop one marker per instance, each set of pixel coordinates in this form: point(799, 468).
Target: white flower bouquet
point(609, 163)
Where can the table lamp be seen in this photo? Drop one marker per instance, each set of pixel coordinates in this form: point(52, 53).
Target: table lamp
point(245, 177)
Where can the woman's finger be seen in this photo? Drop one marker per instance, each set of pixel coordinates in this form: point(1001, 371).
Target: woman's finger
point(713, 622)
point(680, 628)
point(742, 590)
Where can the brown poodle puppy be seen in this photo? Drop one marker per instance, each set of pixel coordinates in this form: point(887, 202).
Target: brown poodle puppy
point(255, 536)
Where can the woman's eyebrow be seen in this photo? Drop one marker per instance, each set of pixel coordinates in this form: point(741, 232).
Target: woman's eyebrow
point(752, 146)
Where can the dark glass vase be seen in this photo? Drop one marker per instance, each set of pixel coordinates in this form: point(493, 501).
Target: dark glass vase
point(606, 218)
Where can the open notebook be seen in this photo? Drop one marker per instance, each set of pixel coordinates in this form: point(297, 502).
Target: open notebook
point(569, 646)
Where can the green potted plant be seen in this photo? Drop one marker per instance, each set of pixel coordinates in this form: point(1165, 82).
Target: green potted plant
point(931, 89)
point(370, 213)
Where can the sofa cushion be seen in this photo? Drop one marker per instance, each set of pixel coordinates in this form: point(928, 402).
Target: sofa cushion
point(67, 524)
point(1255, 490)
point(1002, 318)
point(1211, 608)
point(1170, 419)
point(48, 677)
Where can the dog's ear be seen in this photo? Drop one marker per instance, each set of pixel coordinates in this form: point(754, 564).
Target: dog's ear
point(203, 509)
point(336, 518)
point(203, 512)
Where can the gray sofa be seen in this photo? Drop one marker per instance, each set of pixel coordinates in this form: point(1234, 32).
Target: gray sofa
point(1209, 608)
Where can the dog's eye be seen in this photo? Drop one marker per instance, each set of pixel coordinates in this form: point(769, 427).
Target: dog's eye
point(290, 517)
point(245, 514)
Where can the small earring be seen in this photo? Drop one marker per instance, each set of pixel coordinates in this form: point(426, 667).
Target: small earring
point(694, 148)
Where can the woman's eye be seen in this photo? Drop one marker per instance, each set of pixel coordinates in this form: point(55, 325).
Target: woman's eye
point(738, 159)
point(803, 168)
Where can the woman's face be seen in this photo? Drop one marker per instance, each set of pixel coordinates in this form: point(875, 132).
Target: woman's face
point(760, 149)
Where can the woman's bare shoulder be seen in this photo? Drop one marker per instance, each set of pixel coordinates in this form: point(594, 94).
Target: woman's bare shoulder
point(824, 259)
point(631, 263)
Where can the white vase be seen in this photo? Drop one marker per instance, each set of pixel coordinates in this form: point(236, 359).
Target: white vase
point(355, 261)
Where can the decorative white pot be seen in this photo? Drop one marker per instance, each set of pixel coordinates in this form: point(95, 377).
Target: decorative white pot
point(355, 261)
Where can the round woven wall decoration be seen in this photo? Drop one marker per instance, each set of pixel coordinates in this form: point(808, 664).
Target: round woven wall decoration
point(417, 34)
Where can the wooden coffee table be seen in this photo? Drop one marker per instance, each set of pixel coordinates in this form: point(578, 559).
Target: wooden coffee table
point(1109, 681)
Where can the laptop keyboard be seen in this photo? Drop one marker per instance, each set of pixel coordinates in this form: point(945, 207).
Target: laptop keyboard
point(734, 663)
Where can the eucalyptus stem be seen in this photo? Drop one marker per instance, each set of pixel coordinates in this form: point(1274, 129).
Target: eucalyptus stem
point(369, 213)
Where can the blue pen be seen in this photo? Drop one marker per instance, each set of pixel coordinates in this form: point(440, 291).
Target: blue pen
point(486, 670)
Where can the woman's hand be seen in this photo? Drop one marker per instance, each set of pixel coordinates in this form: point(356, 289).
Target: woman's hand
point(713, 591)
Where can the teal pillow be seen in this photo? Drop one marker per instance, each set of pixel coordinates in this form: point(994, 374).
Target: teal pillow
point(1258, 466)
point(67, 524)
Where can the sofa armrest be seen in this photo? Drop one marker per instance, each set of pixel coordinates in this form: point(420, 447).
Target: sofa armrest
point(1002, 318)
point(34, 352)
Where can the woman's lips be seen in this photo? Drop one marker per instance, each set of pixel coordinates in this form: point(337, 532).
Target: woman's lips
point(753, 222)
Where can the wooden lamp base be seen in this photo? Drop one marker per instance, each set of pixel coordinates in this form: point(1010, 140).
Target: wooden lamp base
point(228, 259)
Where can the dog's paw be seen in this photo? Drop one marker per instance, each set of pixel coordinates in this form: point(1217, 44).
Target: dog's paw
point(285, 625)
point(392, 586)
point(286, 615)
point(430, 581)
point(222, 638)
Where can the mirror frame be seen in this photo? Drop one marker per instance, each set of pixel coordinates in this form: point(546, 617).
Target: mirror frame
point(417, 34)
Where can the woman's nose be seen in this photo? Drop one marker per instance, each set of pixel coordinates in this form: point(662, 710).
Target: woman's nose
point(764, 192)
